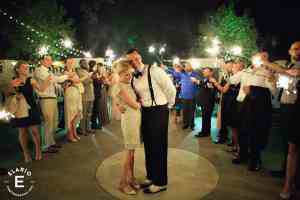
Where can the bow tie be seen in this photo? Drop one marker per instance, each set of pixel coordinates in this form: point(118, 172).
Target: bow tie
point(137, 74)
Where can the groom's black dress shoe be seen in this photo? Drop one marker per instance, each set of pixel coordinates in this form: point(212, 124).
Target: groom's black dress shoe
point(146, 183)
point(185, 127)
point(153, 189)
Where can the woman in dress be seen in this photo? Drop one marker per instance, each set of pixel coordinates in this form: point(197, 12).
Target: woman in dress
point(104, 114)
point(73, 102)
point(98, 84)
point(126, 97)
point(23, 86)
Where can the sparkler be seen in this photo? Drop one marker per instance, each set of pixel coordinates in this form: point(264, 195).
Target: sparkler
point(5, 116)
point(176, 61)
point(256, 61)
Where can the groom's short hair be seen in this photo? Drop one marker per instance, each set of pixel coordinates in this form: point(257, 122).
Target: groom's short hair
point(131, 50)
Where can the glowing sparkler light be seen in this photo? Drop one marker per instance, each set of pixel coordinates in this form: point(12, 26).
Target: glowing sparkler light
point(110, 53)
point(256, 61)
point(176, 61)
point(6, 116)
point(283, 82)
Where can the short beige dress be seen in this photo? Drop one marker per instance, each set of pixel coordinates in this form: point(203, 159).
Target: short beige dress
point(72, 104)
point(130, 119)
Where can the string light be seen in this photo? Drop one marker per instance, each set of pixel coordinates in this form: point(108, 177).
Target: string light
point(236, 50)
point(38, 33)
point(43, 50)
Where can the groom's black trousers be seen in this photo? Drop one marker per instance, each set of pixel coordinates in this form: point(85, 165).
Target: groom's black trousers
point(155, 121)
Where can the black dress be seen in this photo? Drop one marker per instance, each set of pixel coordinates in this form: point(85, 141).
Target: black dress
point(34, 117)
point(96, 115)
point(230, 113)
point(293, 135)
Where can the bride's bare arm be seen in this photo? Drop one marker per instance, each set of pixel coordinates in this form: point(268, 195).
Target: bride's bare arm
point(129, 100)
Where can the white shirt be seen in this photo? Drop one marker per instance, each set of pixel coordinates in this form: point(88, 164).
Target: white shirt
point(251, 77)
point(163, 88)
point(41, 73)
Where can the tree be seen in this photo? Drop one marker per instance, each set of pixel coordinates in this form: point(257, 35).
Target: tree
point(42, 24)
point(230, 29)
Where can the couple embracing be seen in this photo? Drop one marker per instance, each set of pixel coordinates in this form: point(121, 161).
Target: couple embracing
point(144, 95)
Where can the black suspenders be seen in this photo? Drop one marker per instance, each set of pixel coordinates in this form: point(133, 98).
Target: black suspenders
point(150, 87)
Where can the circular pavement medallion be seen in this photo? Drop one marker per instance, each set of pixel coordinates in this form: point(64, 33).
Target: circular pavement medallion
point(190, 176)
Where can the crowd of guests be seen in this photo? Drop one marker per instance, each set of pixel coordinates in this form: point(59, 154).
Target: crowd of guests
point(85, 92)
point(245, 107)
point(244, 95)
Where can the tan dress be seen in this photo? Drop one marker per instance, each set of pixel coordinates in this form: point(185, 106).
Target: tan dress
point(131, 119)
point(73, 104)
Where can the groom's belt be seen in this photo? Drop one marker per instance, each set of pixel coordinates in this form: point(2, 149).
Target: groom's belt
point(155, 107)
point(41, 98)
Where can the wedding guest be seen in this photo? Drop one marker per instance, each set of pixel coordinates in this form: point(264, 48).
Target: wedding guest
point(223, 113)
point(73, 101)
point(206, 99)
point(290, 113)
point(24, 87)
point(157, 94)
point(178, 103)
point(187, 94)
point(98, 84)
point(104, 114)
point(125, 96)
point(255, 93)
point(48, 102)
point(88, 97)
point(231, 110)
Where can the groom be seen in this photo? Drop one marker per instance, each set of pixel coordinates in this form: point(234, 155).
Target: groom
point(157, 93)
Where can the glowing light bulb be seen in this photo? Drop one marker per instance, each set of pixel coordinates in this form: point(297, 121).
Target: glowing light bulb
point(67, 43)
point(236, 50)
point(151, 49)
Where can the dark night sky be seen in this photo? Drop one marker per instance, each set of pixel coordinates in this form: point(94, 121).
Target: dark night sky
point(175, 22)
point(277, 21)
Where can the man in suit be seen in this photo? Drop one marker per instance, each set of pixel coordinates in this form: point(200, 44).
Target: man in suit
point(206, 99)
